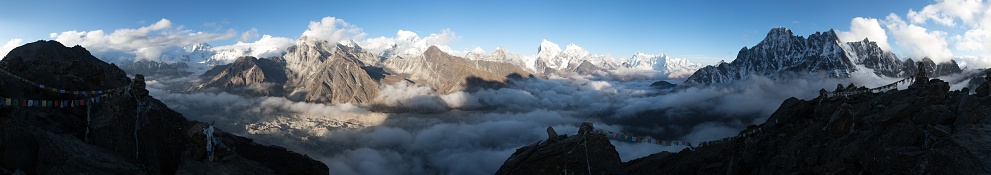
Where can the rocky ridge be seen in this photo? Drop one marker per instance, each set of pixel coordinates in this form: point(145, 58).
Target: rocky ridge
point(249, 75)
point(328, 72)
point(446, 73)
point(782, 54)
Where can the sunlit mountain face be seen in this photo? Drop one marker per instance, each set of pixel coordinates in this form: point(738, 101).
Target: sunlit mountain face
point(495, 88)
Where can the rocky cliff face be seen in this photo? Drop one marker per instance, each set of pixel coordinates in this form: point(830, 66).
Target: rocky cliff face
point(328, 72)
point(447, 73)
point(783, 53)
point(884, 63)
point(249, 75)
point(131, 133)
point(932, 69)
point(925, 129)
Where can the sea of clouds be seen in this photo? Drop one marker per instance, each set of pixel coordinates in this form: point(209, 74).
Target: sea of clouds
point(475, 132)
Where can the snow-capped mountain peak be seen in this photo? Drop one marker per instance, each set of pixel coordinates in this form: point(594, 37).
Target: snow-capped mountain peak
point(575, 51)
point(548, 49)
point(478, 50)
point(348, 43)
point(672, 67)
point(195, 47)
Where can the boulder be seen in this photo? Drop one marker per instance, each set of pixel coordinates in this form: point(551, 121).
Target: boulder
point(584, 153)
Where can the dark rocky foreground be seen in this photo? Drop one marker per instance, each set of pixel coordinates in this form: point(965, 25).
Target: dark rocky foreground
point(925, 129)
point(583, 153)
point(132, 133)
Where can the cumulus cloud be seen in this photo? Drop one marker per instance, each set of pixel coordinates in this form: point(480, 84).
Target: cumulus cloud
point(946, 12)
point(920, 41)
point(869, 28)
point(409, 43)
point(916, 35)
point(332, 30)
point(9, 45)
point(146, 42)
point(248, 35)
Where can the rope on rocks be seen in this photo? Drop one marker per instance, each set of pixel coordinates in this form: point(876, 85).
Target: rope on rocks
point(86, 136)
point(60, 90)
point(585, 142)
point(872, 90)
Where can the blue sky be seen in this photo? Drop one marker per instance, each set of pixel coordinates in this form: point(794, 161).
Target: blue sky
point(703, 31)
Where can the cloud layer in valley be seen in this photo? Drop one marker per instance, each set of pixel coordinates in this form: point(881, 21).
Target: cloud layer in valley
point(490, 124)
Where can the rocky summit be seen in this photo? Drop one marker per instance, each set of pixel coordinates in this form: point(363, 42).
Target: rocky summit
point(584, 153)
point(924, 129)
point(126, 132)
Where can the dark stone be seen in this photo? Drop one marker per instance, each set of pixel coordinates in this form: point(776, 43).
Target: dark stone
point(584, 153)
point(662, 85)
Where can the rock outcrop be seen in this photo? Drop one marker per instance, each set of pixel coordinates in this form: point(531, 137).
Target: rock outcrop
point(925, 129)
point(249, 75)
point(319, 71)
point(447, 73)
point(584, 153)
point(131, 133)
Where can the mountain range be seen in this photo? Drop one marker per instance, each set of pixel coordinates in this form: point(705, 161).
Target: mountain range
point(177, 61)
point(782, 53)
point(343, 72)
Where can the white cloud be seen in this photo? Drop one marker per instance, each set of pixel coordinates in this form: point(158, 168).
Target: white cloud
point(947, 11)
point(920, 41)
point(146, 42)
point(9, 45)
point(869, 28)
point(266, 46)
point(332, 30)
point(248, 35)
point(410, 43)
